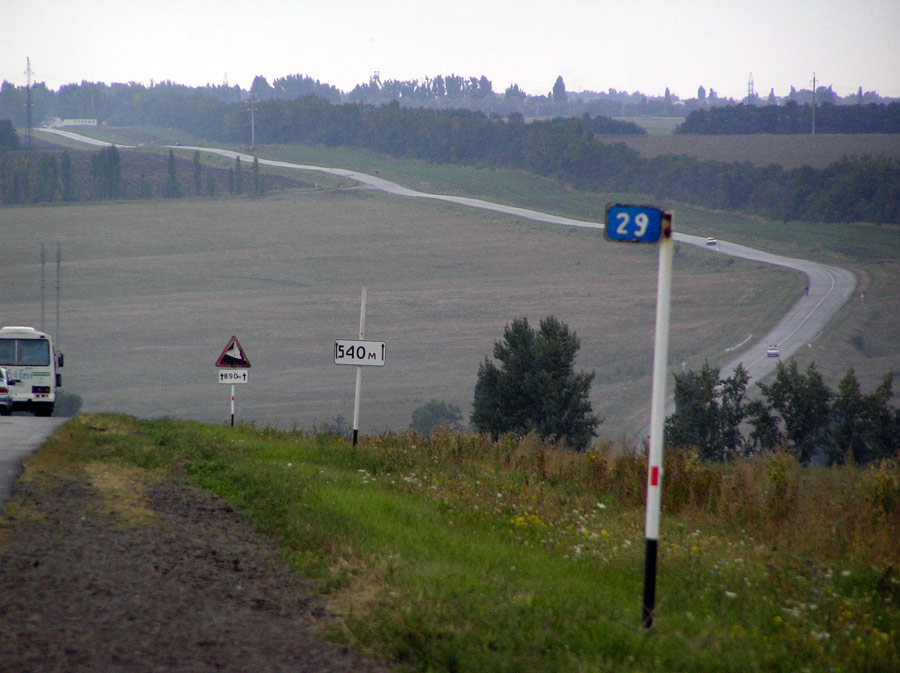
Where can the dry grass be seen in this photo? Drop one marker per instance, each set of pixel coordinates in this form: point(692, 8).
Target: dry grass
point(122, 491)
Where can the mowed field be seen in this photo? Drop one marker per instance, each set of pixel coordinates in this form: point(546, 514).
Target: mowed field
point(790, 151)
point(152, 291)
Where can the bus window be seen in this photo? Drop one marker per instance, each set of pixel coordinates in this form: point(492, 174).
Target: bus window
point(7, 351)
point(34, 352)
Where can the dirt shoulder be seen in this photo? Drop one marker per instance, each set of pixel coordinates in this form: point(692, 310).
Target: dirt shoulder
point(101, 573)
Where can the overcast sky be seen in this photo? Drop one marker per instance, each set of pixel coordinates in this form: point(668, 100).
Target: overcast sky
point(628, 45)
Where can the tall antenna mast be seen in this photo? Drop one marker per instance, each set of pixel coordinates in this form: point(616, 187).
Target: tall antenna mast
point(28, 75)
point(751, 93)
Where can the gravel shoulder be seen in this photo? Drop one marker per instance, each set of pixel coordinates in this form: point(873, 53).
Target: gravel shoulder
point(101, 573)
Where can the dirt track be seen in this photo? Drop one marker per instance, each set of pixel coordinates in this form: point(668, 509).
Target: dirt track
point(186, 588)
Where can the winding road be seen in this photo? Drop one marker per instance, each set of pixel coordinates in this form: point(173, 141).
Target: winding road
point(828, 287)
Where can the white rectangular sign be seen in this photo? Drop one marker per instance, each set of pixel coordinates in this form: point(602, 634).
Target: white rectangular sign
point(232, 376)
point(359, 353)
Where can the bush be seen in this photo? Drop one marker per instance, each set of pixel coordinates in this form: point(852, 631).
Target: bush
point(433, 415)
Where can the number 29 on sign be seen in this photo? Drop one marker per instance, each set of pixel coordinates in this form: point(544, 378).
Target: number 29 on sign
point(633, 224)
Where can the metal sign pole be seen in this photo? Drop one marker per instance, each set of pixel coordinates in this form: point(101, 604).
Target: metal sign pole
point(362, 329)
point(657, 418)
point(232, 405)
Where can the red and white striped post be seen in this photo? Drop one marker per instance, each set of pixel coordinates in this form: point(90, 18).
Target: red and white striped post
point(657, 419)
point(648, 224)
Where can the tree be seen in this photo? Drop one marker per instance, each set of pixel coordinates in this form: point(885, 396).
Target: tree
point(66, 177)
point(238, 177)
point(106, 174)
point(708, 412)
point(803, 402)
point(47, 179)
point(9, 139)
point(172, 188)
point(847, 419)
point(433, 415)
point(535, 388)
point(864, 426)
point(559, 91)
point(198, 173)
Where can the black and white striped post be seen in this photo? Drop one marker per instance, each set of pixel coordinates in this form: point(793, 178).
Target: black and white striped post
point(362, 330)
point(359, 353)
point(646, 224)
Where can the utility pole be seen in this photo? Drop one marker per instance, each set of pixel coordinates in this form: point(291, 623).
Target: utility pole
point(28, 75)
point(43, 264)
point(58, 263)
point(814, 105)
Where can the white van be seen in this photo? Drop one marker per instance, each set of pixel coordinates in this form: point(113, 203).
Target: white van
point(31, 365)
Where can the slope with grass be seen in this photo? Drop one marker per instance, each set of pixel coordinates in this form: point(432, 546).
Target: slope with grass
point(454, 553)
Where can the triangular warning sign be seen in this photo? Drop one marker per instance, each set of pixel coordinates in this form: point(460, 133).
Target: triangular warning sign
point(233, 356)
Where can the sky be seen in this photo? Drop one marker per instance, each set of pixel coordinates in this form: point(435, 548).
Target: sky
point(597, 45)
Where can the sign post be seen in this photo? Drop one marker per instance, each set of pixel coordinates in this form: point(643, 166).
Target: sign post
point(360, 353)
point(233, 365)
point(362, 329)
point(646, 224)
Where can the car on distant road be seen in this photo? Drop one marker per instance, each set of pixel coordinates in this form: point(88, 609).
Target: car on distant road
point(772, 352)
point(711, 241)
point(5, 398)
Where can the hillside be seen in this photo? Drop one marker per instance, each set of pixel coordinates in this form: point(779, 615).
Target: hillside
point(790, 151)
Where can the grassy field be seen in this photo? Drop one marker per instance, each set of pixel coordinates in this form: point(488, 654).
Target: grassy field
point(152, 290)
point(761, 149)
point(456, 554)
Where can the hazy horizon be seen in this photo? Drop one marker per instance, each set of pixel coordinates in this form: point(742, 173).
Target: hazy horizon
point(646, 45)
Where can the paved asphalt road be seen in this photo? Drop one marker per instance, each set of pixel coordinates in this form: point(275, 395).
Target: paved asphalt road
point(19, 437)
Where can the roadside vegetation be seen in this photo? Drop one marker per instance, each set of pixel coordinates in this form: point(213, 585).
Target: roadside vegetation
point(459, 553)
point(796, 412)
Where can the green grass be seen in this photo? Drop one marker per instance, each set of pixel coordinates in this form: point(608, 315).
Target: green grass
point(457, 554)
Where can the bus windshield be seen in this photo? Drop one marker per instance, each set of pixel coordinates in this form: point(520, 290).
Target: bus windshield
point(25, 352)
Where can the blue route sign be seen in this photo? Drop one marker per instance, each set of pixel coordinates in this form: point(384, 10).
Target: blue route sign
point(636, 224)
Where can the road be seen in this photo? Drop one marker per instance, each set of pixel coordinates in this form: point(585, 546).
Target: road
point(829, 287)
point(19, 437)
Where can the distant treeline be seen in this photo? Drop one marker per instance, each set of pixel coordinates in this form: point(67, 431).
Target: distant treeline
point(50, 176)
point(135, 103)
point(794, 119)
point(854, 189)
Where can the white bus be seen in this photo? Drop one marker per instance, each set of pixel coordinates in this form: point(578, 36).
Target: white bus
point(31, 365)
